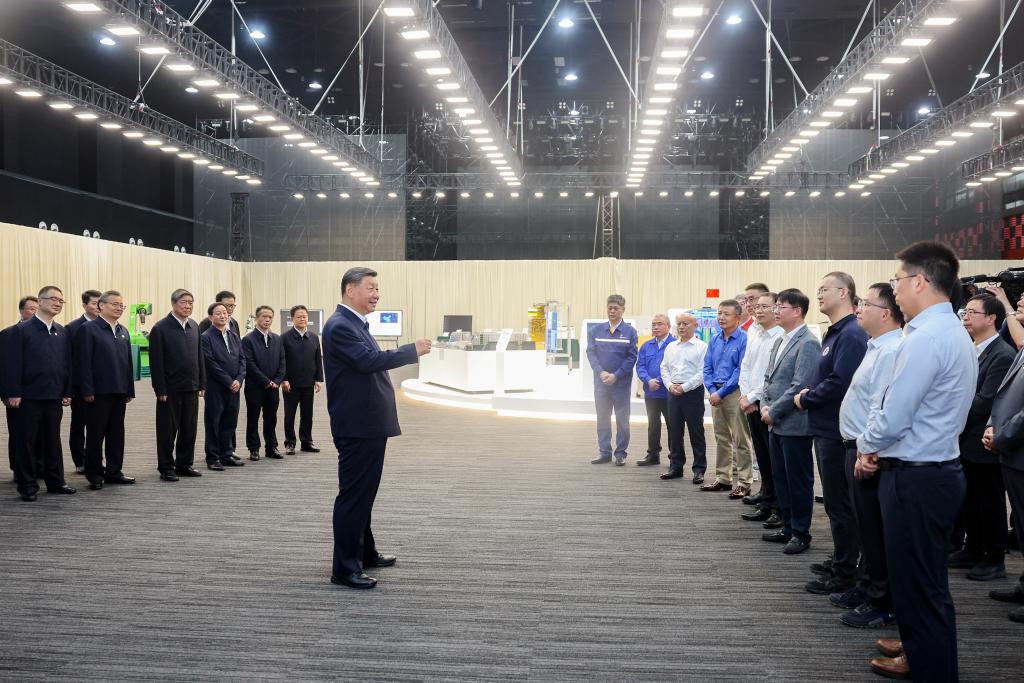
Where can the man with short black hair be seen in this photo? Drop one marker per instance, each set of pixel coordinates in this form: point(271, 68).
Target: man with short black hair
point(264, 374)
point(751, 294)
point(228, 299)
point(38, 386)
point(76, 435)
point(304, 376)
point(612, 352)
point(983, 516)
point(27, 307)
point(178, 373)
point(107, 384)
point(912, 443)
point(225, 372)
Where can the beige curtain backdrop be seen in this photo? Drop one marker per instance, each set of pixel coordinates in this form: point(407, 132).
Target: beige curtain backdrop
point(496, 293)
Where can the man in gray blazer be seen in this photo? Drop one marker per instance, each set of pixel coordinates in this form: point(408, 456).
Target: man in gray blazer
point(790, 369)
point(1005, 436)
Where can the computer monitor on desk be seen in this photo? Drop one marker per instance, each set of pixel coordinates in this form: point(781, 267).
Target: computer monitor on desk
point(453, 323)
point(386, 323)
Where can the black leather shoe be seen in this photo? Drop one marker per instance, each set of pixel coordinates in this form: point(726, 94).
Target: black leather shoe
point(717, 486)
point(27, 497)
point(796, 546)
point(216, 466)
point(274, 454)
point(119, 479)
point(95, 485)
point(254, 455)
point(380, 561)
point(648, 461)
point(822, 568)
point(1017, 615)
point(63, 488)
point(776, 537)
point(962, 559)
point(827, 585)
point(235, 458)
point(698, 479)
point(310, 448)
point(773, 522)
point(1015, 594)
point(754, 499)
point(987, 572)
point(231, 462)
point(188, 472)
point(672, 474)
point(601, 460)
point(757, 515)
point(820, 500)
point(168, 476)
point(289, 449)
point(359, 580)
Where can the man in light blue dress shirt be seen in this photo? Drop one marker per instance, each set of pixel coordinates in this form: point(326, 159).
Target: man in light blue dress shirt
point(912, 444)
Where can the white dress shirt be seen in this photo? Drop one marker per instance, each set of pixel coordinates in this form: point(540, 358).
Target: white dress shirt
point(226, 336)
point(980, 347)
point(358, 314)
point(683, 363)
point(868, 384)
point(755, 362)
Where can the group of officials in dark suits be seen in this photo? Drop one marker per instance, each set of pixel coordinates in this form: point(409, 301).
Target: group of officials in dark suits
point(87, 365)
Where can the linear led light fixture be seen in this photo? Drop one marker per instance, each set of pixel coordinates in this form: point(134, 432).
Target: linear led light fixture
point(115, 112)
point(897, 35)
point(157, 23)
point(423, 29)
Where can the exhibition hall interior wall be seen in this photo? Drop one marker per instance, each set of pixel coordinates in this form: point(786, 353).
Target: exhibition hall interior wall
point(496, 293)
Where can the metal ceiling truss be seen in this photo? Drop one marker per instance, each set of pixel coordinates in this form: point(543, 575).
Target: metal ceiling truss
point(25, 67)
point(156, 21)
point(693, 180)
point(1002, 91)
point(428, 18)
point(1004, 158)
point(904, 21)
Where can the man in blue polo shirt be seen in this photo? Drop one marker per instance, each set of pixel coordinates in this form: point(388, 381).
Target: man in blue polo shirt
point(648, 369)
point(611, 350)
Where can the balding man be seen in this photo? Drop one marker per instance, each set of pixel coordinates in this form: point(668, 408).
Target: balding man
point(682, 374)
point(648, 369)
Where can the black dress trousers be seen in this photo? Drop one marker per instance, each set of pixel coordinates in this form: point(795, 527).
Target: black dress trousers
point(177, 420)
point(104, 428)
point(76, 437)
point(984, 511)
point(686, 413)
point(266, 401)
point(39, 452)
point(873, 575)
point(759, 436)
point(360, 465)
point(657, 408)
point(300, 398)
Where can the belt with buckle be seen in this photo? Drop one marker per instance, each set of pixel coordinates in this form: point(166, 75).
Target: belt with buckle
point(897, 464)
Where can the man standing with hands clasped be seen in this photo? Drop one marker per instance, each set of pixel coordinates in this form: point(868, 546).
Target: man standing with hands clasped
point(611, 350)
point(361, 403)
point(264, 373)
point(912, 444)
point(648, 370)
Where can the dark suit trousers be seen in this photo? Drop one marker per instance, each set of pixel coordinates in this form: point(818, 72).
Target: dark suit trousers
point(104, 427)
point(301, 398)
point(76, 439)
point(220, 418)
point(1014, 481)
point(360, 465)
point(12, 435)
point(259, 400)
point(916, 540)
point(39, 453)
point(874, 572)
point(686, 413)
point(657, 408)
point(984, 511)
point(835, 488)
point(793, 469)
point(177, 420)
point(759, 436)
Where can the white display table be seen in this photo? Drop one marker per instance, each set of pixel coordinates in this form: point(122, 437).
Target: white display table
point(477, 371)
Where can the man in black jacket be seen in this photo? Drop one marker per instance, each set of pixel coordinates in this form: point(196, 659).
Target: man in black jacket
point(38, 386)
point(983, 515)
point(225, 371)
point(264, 373)
point(107, 385)
point(27, 308)
point(178, 374)
point(304, 376)
point(228, 299)
point(76, 437)
point(842, 350)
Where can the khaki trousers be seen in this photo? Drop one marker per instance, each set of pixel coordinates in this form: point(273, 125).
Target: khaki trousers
point(731, 429)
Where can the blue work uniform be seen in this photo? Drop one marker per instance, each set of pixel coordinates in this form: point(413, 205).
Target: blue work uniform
point(614, 352)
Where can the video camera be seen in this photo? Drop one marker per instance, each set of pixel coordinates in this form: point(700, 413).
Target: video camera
point(1011, 280)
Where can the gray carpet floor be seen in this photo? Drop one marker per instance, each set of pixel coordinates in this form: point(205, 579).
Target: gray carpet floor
point(518, 560)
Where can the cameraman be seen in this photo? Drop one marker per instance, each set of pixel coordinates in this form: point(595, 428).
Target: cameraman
point(1012, 329)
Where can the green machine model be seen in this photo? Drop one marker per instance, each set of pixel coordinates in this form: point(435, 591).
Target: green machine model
point(139, 335)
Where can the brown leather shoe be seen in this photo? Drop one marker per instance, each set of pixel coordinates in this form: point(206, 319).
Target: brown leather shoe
point(890, 647)
point(739, 491)
point(717, 486)
point(895, 667)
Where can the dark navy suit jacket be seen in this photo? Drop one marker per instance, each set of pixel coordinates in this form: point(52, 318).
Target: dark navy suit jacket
point(104, 359)
point(264, 359)
point(222, 367)
point(72, 329)
point(360, 396)
point(38, 362)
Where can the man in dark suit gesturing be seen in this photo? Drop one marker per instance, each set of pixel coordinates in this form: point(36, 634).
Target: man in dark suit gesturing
point(361, 403)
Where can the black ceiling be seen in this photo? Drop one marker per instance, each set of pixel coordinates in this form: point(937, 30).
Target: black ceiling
point(308, 40)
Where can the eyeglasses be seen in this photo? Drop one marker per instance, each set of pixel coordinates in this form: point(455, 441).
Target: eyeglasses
point(763, 307)
point(113, 304)
point(967, 311)
point(822, 290)
point(894, 280)
point(864, 303)
point(230, 307)
point(54, 299)
point(776, 308)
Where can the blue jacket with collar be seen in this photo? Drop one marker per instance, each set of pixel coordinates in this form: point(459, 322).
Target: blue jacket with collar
point(613, 352)
point(648, 365)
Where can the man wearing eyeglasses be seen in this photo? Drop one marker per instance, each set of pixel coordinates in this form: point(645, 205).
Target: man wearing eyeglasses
point(38, 386)
point(912, 444)
point(228, 299)
point(107, 385)
point(842, 350)
point(76, 435)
